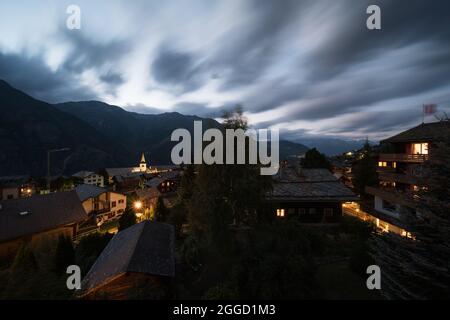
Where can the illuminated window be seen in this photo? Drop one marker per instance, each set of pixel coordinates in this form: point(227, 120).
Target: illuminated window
point(382, 164)
point(394, 165)
point(280, 213)
point(420, 148)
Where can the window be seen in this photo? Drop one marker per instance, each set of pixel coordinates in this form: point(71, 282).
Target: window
point(312, 211)
point(291, 211)
point(394, 165)
point(280, 213)
point(420, 148)
point(113, 204)
point(301, 211)
point(10, 197)
point(382, 164)
point(121, 201)
point(328, 212)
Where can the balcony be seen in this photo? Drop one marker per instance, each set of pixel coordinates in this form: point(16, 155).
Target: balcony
point(403, 157)
point(393, 196)
point(397, 177)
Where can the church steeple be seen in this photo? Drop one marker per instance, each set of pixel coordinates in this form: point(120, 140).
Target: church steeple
point(143, 164)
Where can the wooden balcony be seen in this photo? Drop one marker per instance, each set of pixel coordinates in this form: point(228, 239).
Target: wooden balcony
point(392, 195)
point(403, 157)
point(397, 177)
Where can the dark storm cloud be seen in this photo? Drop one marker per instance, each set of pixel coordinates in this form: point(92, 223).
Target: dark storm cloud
point(403, 23)
point(336, 78)
point(112, 78)
point(32, 76)
point(175, 68)
point(248, 50)
point(89, 54)
point(380, 121)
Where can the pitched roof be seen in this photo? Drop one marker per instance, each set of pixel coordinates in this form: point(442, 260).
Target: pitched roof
point(147, 247)
point(22, 217)
point(148, 193)
point(86, 191)
point(423, 133)
point(154, 183)
point(14, 181)
point(83, 174)
point(112, 172)
point(306, 185)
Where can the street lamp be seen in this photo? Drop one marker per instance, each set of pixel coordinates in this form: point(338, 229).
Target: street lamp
point(49, 152)
point(138, 205)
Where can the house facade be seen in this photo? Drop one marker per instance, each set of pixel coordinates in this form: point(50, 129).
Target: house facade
point(101, 205)
point(400, 168)
point(15, 187)
point(91, 178)
point(308, 195)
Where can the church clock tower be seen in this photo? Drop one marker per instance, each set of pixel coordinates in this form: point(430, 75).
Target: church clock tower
point(143, 164)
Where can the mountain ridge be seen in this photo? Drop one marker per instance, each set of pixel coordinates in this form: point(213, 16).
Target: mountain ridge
point(98, 134)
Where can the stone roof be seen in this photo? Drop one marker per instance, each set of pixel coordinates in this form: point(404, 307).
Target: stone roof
point(427, 132)
point(86, 191)
point(148, 193)
point(83, 174)
point(308, 185)
point(147, 247)
point(23, 217)
point(112, 172)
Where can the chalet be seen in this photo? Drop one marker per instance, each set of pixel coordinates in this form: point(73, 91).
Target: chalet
point(15, 187)
point(87, 177)
point(100, 204)
point(309, 195)
point(141, 256)
point(38, 218)
point(400, 169)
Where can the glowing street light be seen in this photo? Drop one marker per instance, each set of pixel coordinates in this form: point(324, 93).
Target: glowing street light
point(138, 205)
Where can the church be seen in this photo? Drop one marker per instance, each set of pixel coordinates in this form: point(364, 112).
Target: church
point(143, 168)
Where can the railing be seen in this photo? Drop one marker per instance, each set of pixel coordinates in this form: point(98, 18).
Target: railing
point(392, 195)
point(404, 157)
point(397, 177)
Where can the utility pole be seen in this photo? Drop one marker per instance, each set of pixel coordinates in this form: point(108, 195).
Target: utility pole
point(49, 152)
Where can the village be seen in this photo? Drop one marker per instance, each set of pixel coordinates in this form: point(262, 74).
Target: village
point(91, 203)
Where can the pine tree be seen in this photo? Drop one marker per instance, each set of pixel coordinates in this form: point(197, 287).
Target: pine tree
point(161, 212)
point(226, 194)
point(315, 160)
point(365, 170)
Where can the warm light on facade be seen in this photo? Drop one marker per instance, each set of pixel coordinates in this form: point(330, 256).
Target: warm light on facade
point(280, 213)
